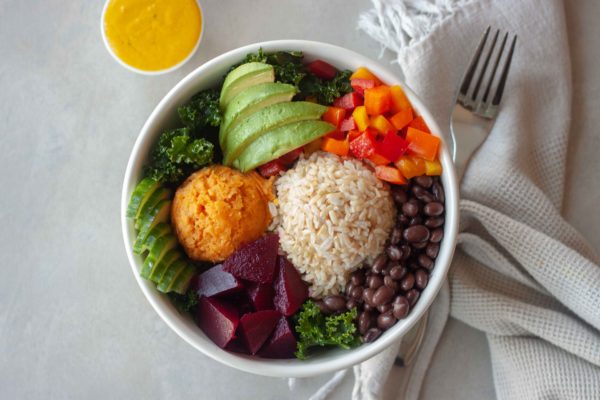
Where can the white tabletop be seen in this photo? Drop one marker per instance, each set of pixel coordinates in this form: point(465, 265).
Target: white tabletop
point(73, 323)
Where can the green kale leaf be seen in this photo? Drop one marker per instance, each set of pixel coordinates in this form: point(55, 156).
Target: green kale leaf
point(202, 110)
point(177, 154)
point(326, 91)
point(316, 329)
point(185, 303)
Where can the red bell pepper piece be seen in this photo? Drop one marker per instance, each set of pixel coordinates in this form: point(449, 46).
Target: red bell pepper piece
point(359, 85)
point(322, 69)
point(389, 174)
point(348, 124)
point(334, 115)
point(349, 101)
point(272, 168)
point(338, 135)
point(392, 147)
point(363, 146)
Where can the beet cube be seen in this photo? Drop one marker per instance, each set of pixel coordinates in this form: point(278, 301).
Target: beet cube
point(237, 345)
point(282, 343)
point(261, 296)
point(218, 320)
point(290, 289)
point(216, 282)
point(255, 261)
point(256, 327)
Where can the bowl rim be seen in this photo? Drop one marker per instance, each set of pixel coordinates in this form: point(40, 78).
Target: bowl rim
point(158, 71)
point(293, 367)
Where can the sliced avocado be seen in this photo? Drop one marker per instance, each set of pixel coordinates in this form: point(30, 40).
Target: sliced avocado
point(181, 283)
point(160, 213)
point(166, 281)
point(159, 230)
point(161, 246)
point(265, 120)
point(242, 77)
point(279, 141)
point(160, 268)
point(253, 99)
point(140, 195)
point(159, 194)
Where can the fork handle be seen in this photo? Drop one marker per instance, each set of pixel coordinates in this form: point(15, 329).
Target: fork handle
point(468, 133)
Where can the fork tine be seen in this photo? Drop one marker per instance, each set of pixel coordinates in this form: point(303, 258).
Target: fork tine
point(464, 88)
point(485, 65)
point(489, 86)
point(502, 83)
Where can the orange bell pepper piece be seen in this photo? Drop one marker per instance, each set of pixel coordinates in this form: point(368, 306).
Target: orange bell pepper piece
point(378, 100)
point(361, 118)
point(363, 73)
point(339, 147)
point(433, 168)
point(313, 146)
point(382, 125)
point(422, 143)
point(353, 134)
point(402, 118)
point(419, 123)
point(378, 159)
point(410, 166)
point(334, 115)
point(389, 174)
point(399, 99)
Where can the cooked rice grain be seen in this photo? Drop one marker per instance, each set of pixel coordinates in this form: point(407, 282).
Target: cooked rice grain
point(333, 214)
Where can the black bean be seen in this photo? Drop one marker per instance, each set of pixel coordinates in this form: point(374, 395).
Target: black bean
point(420, 245)
point(407, 282)
point(351, 303)
point(432, 249)
point(425, 261)
point(356, 293)
point(434, 222)
point(437, 235)
point(398, 272)
point(386, 320)
point(410, 208)
point(389, 282)
point(403, 220)
point(413, 266)
point(401, 307)
point(349, 287)
point(374, 281)
point(416, 233)
point(416, 221)
point(368, 297)
point(422, 194)
point(335, 302)
point(433, 209)
point(412, 296)
point(368, 307)
point(384, 307)
point(371, 335)
point(406, 252)
point(379, 263)
point(323, 307)
point(421, 278)
point(424, 181)
point(394, 253)
point(365, 321)
point(358, 277)
point(383, 295)
point(399, 195)
point(438, 192)
point(396, 235)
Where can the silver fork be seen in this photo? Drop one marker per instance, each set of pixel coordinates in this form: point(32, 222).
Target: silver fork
point(470, 124)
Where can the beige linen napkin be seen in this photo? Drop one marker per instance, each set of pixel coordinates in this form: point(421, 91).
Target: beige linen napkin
point(521, 274)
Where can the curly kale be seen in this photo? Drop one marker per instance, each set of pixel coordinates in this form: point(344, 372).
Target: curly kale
point(185, 303)
point(202, 110)
point(177, 154)
point(316, 329)
point(326, 91)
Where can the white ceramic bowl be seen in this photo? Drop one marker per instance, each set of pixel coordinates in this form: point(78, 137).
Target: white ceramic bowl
point(141, 71)
point(165, 116)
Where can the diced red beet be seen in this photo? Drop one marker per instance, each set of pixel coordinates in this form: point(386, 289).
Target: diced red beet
point(272, 168)
point(218, 319)
point(261, 296)
point(256, 327)
point(290, 157)
point(290, 289)
point(216, 282)
point(322, 69)
point(349, 101)
point(360, 85)
point(255, 261)
point(282, 343)
point(237, 345)
point(348, 124)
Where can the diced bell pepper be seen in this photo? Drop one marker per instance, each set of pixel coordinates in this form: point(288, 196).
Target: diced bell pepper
point(422, 143)
point(378, 100)
point(399, 99)
point(363, 73)
point(402, 118)
point(382, 125)
point(360, 85)
point(361, 118)
point(349, 101)
point(339, 147)
point(389, 174)
point(363, 146)
point(334, 115)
